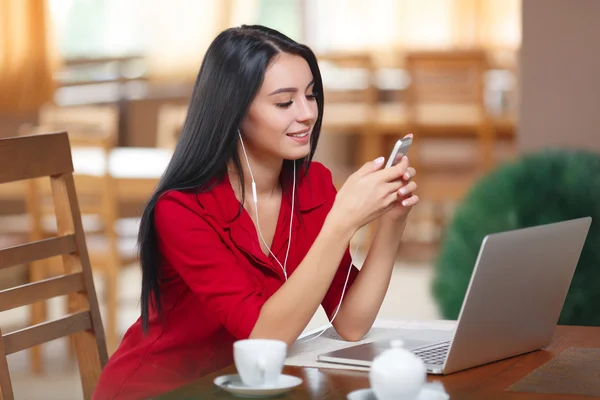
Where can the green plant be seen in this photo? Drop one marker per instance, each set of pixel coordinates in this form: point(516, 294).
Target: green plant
point(544, 187)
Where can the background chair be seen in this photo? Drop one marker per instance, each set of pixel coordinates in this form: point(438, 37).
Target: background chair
point(446, 99)
point(445, 109)
point(92, 135)
point(170, 121)
point(350, 104)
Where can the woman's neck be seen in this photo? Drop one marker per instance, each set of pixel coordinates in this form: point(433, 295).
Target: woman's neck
point(266, 172)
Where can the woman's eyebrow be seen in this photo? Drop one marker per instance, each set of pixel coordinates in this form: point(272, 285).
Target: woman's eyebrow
point(289, 89)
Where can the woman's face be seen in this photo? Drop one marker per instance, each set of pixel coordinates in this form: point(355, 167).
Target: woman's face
point(280, 120)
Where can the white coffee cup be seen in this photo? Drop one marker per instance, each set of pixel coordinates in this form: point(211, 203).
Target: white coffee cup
point(259, 362)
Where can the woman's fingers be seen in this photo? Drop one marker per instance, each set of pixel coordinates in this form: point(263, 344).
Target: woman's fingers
point(393, 173)
point(401, 188)
point(410, 187)
point(409, 174)
point(410, 201)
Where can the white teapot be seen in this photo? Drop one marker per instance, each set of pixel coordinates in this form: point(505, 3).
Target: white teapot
point(397, 374)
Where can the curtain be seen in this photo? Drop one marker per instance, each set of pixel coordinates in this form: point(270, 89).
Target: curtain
point(494, 24)
point(27, 57)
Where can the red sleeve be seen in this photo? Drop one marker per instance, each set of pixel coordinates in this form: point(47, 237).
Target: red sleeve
point(334, 294)
point(195, 250)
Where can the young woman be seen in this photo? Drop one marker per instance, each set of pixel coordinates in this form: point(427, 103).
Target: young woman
point(244, 236)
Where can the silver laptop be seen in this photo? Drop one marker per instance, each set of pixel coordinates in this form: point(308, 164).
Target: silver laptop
point(512, 304)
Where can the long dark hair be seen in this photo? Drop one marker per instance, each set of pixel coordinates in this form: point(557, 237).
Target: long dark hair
point(231, 74)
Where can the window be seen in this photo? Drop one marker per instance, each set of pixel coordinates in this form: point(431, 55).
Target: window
point(97, 28)
point(134, 40)
point(115, 28)
point(283, 15)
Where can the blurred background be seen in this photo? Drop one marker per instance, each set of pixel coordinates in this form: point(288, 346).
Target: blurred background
point(501, 95)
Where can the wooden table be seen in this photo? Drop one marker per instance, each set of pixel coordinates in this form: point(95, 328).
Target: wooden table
point(489, 382)
point(374, 124)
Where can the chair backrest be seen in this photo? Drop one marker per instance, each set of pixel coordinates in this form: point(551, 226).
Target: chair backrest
point(87, 125)
point(33, 157)
point(170, 121)
point(348, 77)
point(447, 77)
point(93, 132)
point(446, 97)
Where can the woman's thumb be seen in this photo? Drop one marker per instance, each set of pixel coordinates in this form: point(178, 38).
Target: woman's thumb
point(372, 165)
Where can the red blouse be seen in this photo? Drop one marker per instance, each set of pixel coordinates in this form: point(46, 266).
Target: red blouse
point(215, 279)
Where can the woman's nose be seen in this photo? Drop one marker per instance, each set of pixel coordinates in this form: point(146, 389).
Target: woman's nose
point(307, 110)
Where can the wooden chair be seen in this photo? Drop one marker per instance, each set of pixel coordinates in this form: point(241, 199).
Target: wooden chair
point(102, 120)
point(49, 155)
point(170, 120)
point(91, 129)
point(95, 121)
point(351, 109)
point(351, 99)
point(445, 98)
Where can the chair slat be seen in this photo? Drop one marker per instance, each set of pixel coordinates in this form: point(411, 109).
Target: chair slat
point(6, 390)
point(38, 250)
point(51, 152)
point(46, 331)
point(43, 290)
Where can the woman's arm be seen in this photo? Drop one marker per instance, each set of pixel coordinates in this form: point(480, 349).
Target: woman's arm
point(366, 194)
point(363, 299)
point(361, 306)
point(287, 312)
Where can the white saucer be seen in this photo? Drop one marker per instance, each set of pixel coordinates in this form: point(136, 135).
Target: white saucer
point(234, 385)
point(427, 393)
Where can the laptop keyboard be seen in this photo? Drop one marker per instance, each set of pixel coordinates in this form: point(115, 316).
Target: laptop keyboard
point(434, 355)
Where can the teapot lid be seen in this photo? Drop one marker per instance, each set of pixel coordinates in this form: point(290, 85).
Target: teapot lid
point(398, 359)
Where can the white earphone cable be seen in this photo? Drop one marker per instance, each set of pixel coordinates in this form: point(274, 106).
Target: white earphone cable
point(255, 199)
point(283, 267)
point(330, 324)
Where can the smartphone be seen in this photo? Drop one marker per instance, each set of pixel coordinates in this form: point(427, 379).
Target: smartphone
point(399, 151)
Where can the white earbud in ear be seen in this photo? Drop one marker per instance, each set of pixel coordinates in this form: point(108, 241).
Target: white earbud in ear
point(254, 195)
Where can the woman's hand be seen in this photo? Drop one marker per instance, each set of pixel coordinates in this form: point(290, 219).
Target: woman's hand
point(406, 197)
point(369, 193)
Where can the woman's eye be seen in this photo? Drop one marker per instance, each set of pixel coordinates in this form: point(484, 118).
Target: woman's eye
point(310, 96)
point(284, 105)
